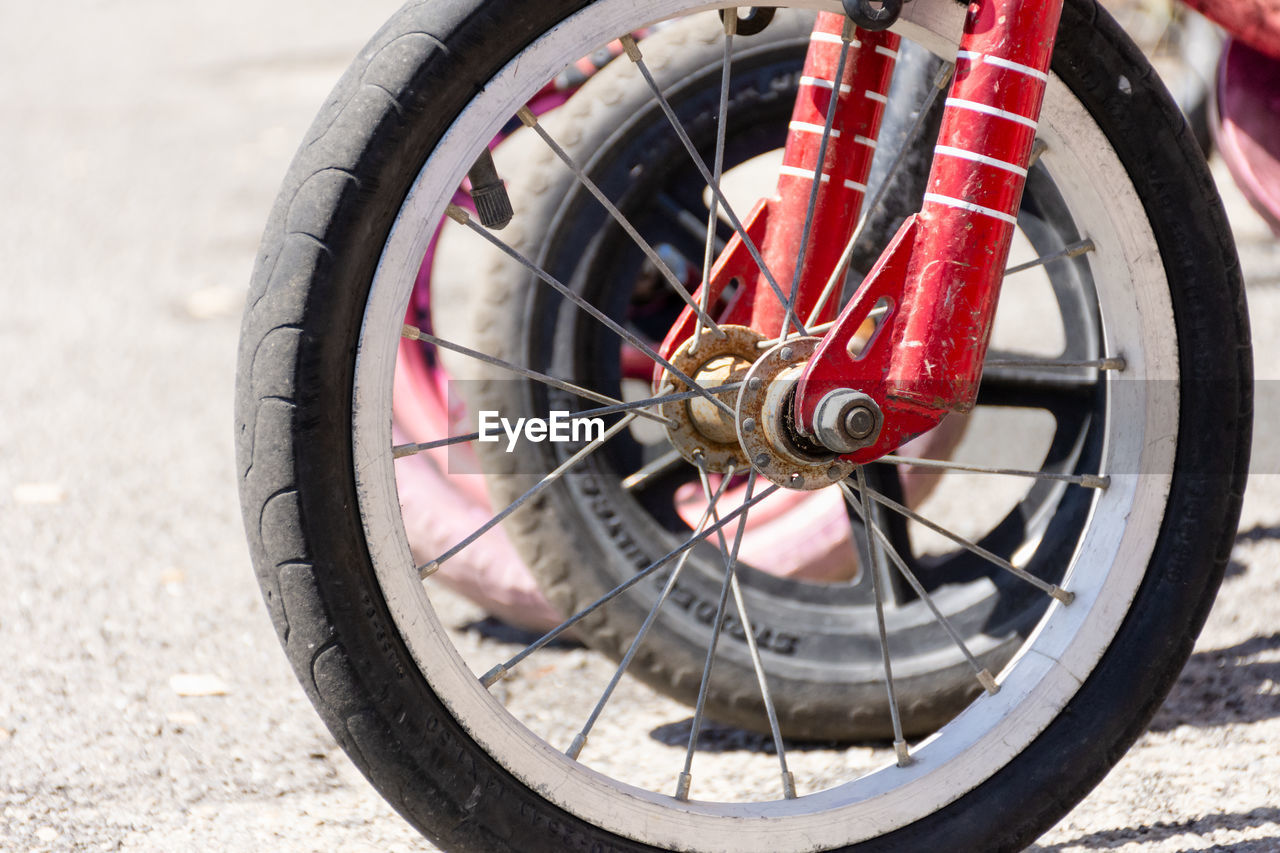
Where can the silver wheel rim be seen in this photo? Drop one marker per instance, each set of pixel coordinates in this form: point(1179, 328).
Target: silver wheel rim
point(1104, 572)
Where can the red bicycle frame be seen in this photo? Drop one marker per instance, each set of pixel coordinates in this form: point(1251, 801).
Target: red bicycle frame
point(930, 299)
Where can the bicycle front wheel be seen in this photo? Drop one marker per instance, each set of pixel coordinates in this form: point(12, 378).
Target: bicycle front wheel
point(540, 759)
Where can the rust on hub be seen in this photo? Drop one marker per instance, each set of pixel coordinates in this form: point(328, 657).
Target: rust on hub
point(704, 433)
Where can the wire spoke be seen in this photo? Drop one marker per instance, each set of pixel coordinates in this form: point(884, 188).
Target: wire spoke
point(940, 83)
point(788, 781)
point(722, 118)
point(731, 560)
point(1090, 481)
point(580, 740)
point(1113, 363)
point(689, 223)
point(846, 36)
point(822, 328)
point(875, 565)
point(463, 217)
point(413, 333)
point(651, 471)
point(633, 53)
point(401, 450)
point(972, 547)
point(1026, 382)
point(432, 567)
point(980, 672)
point(492, 676)
point(530, 121)
point(1072, 250)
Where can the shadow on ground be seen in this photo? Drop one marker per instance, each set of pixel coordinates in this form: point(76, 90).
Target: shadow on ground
point(1108, 839)
point(714, 737)
point(1224, 686)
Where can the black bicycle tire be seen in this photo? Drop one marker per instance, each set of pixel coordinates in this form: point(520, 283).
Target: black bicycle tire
point(295, 460)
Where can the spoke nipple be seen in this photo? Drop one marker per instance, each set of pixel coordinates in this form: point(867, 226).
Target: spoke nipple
point(632, 49)
point(749, 425)
point(730, 18)
point(682, 786)
point(493, 676)
point(988, 682)
point(1062, 595)
point(428, 570)
point(835, 472)
point(786, 353)
point(1037, 149)
point(788, 785)
point(904, 757)
point(410, 332)
point(755, 383)
point(943, 77)
point(1093, 481)
point(575, 748)
point(526, 116)
point(762, 460)
point(1116, 363)
point(459, 215)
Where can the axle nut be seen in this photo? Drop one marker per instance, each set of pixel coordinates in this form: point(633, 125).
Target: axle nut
point(847, 420)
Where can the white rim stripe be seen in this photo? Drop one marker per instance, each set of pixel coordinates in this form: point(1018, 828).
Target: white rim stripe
point(862, 140)
point(1001, 62)
point(876, 96)
point(991, 111)
point(979, 158)
point(854, 185)
point(970, 206)
point(884, 51)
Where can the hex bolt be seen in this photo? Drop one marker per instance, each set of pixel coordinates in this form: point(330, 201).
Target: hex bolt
point(835, 472)
point(859, 421)
point(786, 353)
point(762, 460)
point(754, 383)
point(749, 425)
point(846, 420)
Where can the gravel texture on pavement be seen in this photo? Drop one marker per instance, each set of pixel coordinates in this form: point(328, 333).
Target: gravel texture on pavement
point(144, 701)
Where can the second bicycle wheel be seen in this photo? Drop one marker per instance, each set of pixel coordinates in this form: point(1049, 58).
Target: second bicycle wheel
point(1143, 374)
point(815, 626)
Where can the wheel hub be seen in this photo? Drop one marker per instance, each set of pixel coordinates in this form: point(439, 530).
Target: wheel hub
point(766, 426)
point(703, 433)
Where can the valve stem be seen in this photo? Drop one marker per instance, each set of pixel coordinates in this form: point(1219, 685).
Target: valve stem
point(493, 205)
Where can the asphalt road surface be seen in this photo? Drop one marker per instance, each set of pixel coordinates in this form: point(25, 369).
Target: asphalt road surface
point(144, 701)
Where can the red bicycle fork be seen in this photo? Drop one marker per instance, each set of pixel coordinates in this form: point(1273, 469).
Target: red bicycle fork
point(909, 346)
